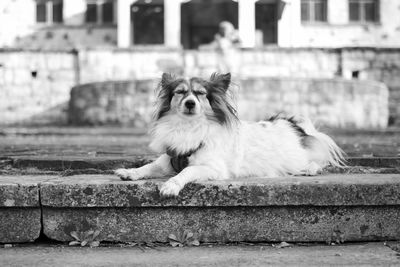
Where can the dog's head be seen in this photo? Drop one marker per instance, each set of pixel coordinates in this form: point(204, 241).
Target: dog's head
point(195, 98)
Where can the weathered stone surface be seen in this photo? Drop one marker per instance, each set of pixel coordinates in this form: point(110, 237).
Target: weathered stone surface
point(223, 224)
point(20, 208)
point(112, 102)
point(297, 209)
point(58, 163)
point(374, 161)
point(19, 224)
point(19, 191)
point(55, 163)
point(324, 190)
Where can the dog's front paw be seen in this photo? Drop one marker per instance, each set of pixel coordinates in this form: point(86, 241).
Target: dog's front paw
point(312, 169)
point(127, 174)
point(170, 188)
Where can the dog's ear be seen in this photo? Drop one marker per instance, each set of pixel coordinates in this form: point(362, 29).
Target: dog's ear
point(218, 97)
point(164, 95)
point(166, 79)
point(221, 80)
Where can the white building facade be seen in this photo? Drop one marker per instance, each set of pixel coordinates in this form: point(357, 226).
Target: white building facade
point(190, 24)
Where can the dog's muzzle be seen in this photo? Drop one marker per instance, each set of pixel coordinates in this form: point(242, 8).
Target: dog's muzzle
point(190, 104)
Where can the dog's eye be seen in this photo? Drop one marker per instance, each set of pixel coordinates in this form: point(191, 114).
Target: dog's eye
point(200, 93)
point(180, 92)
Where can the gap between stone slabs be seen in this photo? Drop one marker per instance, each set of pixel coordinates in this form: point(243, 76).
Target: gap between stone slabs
point(20, 208)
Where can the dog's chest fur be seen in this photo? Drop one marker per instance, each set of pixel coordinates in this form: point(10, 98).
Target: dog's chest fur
point(178, 135)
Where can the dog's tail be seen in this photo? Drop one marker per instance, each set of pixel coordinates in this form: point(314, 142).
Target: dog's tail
point(324, 149)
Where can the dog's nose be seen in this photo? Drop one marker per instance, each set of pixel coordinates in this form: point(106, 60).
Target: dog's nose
point(190, 104)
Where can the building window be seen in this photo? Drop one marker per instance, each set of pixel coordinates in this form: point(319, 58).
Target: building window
point(314, 11)
point(148, 22)
point(49, 11)
point(41, 12)
point(100, 11)
point(108, 12)
point(363, 10)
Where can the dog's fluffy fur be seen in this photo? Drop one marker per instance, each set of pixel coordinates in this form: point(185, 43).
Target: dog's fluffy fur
point(196, 116)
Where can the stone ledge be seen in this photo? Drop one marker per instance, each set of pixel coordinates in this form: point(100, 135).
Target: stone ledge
point(325, 190)
point(55, 163)
point(110, 191)
point(20, 191)
point(20, 224)
point(296, 209)
point(228, 224)
point(374, 161)
point(20, 212)
point(80, 163)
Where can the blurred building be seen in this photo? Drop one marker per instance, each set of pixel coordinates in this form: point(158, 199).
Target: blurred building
point(48, 46)
point(190, 24)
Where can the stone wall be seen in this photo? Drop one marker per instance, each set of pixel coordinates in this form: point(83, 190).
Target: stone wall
point(117, 102)
point(331, 102)
point(36, 83)
point(376, 64)
point(35, 86)
point(103, 65)
point(68, 37)
point(270, 62)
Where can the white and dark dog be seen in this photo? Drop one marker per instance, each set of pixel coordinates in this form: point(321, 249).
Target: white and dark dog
point(197, 130)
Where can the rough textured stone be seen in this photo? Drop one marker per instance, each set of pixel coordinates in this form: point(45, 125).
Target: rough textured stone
point(325, 190)
point(19, 224)
point(58, 163)
point(118, 102)
point(55, 163)
point(375, 161)
point(20, 213)
point(19, 191)
point(297, 209)
point(223, 224)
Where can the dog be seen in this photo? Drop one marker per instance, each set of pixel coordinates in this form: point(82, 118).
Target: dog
point(197, 131)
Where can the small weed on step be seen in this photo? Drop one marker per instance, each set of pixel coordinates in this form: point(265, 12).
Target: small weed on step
point(87, 238)
point(183, 239)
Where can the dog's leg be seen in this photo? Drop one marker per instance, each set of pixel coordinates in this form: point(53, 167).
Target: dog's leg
point(174, 185)
point(160, 167)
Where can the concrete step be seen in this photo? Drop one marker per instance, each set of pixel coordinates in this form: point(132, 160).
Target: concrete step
point(71, 163)
point(359, 254)
point(334, 207)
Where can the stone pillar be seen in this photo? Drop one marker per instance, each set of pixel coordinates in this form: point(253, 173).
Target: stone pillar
point(172, 23)
point(338, 12)
point(124, 23)
point(289, 26)
point(247, 22)
point(74, 12)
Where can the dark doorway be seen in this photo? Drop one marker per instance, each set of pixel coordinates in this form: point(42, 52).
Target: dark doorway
point(267, 20)
point(148, 22)
point(200, 20)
